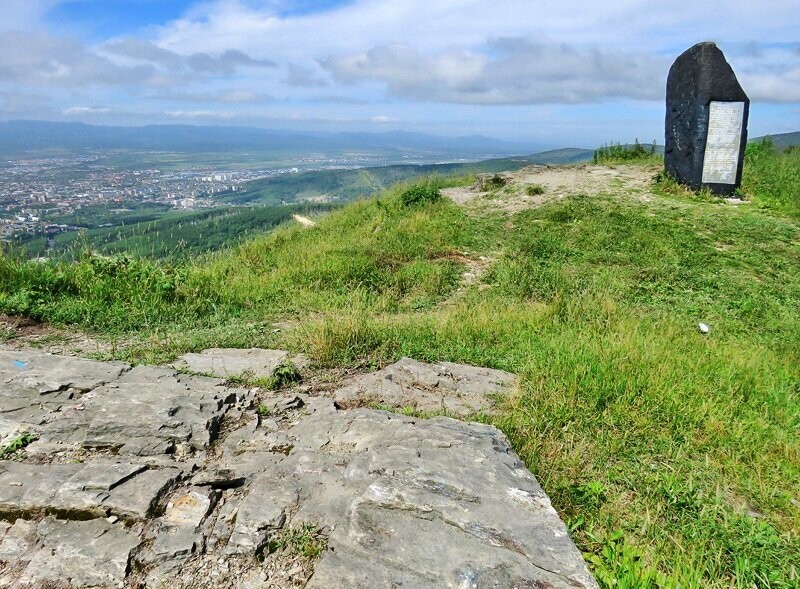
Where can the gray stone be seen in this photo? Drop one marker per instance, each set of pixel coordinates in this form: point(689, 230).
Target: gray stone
point(141, 496)
point(401, 501)
point(455, 389)
point(233, 363)
point(700, 76)
point(34, 383)
point(84, 554)
point(147, 412)
point(262, 512)
point(175, 544)
point(389, 488)
point(83, 490)
point(47, 373)
point(189, 509)
point(223, 526)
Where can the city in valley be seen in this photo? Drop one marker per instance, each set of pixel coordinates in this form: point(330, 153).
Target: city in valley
point(40, 196)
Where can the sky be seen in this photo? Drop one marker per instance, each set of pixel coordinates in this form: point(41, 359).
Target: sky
point(554, 73)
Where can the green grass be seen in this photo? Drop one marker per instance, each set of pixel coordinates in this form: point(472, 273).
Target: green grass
point(673, 456)
point(773, 182)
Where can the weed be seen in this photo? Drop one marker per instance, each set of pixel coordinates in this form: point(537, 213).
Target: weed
point(619, 565)
point(494, 182)
point(306, 540)
point(17, 444)
point(284, 375)
point(263, 411)
point(534, 189)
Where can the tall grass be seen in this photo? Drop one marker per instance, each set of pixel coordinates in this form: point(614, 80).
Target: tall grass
point(772, 179)
point(617, 153)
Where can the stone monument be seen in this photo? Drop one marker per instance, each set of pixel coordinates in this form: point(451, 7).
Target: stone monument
point(706, 122)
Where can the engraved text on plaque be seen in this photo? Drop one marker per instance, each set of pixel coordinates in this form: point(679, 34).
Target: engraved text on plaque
point(721, 160)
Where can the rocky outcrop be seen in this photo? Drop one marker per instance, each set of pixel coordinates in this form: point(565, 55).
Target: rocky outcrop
point(146, 477)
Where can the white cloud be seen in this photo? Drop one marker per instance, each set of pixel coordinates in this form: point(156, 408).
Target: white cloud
point(518, 72)
point(198, 114)
point(303, 77)
point(86, 110)
point(415, 61)
point(383, 119)
point(232, 96)
point(38, 58)
point(554, 50)
point(226, 63)
point(21, 15)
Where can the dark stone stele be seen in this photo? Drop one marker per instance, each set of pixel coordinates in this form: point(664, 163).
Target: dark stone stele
point(699, 76)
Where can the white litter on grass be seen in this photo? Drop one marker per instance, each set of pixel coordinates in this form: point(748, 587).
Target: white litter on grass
point(703, 328)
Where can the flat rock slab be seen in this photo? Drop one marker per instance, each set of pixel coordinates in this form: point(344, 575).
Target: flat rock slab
point(33, 383)
point(83, 491)
point(144, 411)
point(394, 501)
point(232, 363)
point(57, 553)
point(456, 389)
point(47, 373)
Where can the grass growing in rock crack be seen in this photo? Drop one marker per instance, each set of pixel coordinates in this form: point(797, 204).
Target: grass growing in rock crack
point(673, 455)
point(305, 539)
point(17, 444)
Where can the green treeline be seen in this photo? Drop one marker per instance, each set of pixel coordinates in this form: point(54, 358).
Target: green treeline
point(173, 236)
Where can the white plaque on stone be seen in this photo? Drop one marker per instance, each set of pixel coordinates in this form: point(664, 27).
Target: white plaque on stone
point(724, 141)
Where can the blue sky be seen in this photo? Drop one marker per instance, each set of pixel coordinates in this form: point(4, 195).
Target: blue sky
point(547, 72)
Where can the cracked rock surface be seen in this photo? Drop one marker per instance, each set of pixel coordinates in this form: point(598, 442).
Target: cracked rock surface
point(444, 387)
point(147, 478)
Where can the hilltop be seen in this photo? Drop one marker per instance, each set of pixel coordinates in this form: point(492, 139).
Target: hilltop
point(670, 454)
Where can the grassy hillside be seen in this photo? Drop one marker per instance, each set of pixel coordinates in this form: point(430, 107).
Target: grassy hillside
point(782, 140)
point(673, 456)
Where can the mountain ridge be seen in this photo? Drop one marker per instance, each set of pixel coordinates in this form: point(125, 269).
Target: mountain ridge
point(26, 135)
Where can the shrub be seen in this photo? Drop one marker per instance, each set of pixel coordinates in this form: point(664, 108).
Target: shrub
point(420, 194)
point(534, 190)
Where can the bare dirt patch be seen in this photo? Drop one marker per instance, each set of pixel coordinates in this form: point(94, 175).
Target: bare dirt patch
point(23, 333)
point(557, 181)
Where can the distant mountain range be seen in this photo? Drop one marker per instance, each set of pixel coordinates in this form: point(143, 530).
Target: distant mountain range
point(17, 137)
